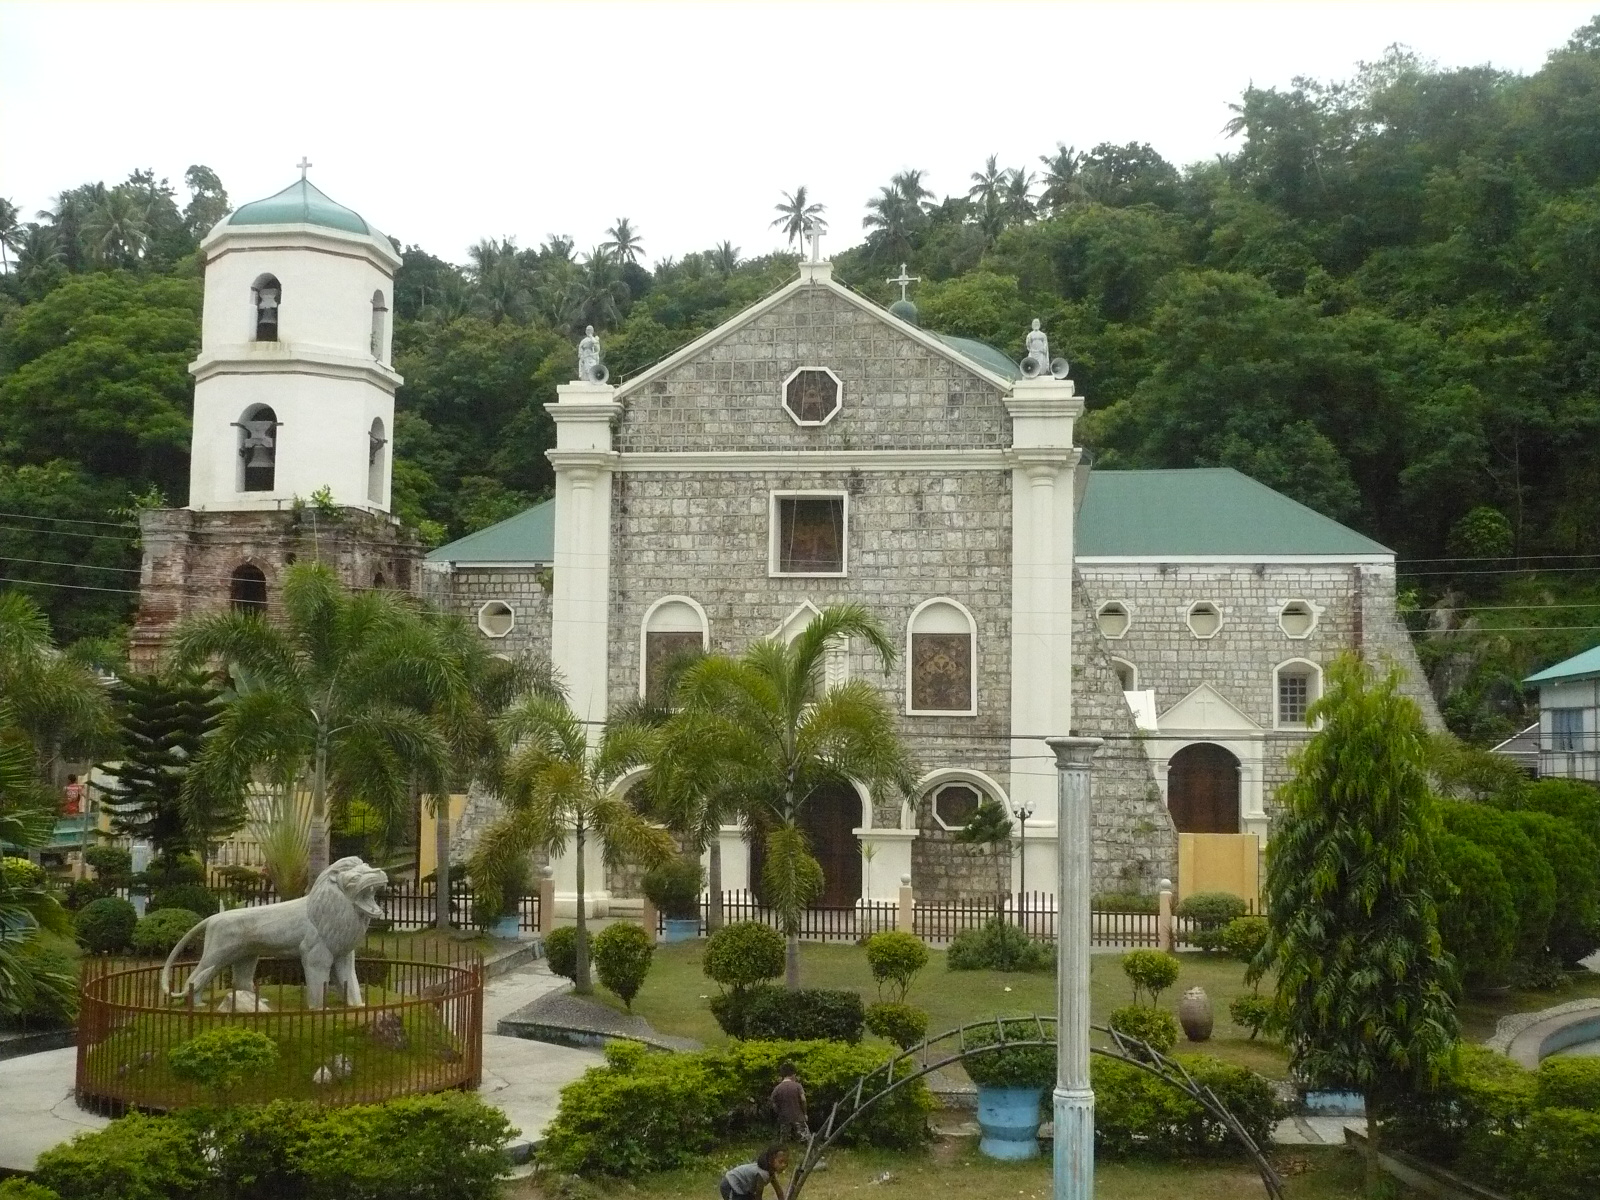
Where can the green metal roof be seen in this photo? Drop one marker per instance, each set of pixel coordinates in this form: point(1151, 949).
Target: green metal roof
point(300, 204)
point(986, 356)
point(1212, 510)
point(1579, 666)
point(528, 537)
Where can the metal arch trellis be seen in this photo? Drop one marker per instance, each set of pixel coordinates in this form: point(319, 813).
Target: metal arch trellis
point(1040, 1031)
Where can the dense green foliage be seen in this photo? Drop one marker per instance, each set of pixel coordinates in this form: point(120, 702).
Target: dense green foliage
point(1136, 1113)
point(895, 958)
point(1209, 914)
point(192, 896)
point(1243, 937)
point(159, 931)
point(1155, 1027)
point(1250, 1011)
point(1527, 874)
point(222, 1058)
point(52, 1001)
point(765, 1012)
point(1477, 916)
point(998, 946)
point(1567, 1083)
point(903, 1024)
point(561, 951)
point(622, 954)
point(1151, 972)
point(1009, 1066)
point(674, 888)
point(743, 954)
point(650, 1112)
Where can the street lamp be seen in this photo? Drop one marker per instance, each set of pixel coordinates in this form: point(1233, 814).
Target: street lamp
point(1074, 1098)
point(1024, 810)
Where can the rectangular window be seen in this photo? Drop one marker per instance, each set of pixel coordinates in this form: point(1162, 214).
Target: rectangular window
point(1566, 730)
point(941, 672)
point(659, 650)
point(808, 534)
point(1294, 697)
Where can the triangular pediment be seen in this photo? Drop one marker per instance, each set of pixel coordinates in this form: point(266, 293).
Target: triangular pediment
point(804, 613)
point(1206, 709)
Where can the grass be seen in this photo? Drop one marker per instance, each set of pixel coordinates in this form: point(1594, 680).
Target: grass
point(1480, 1013)
point(675, 996)
point(953, 1168)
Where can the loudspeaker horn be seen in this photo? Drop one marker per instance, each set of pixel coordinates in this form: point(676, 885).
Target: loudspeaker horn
point(1059, 368)
point(598, 373)
point(1032, 367)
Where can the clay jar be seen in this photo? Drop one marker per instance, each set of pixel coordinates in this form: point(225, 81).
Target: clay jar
point(1194, 1014)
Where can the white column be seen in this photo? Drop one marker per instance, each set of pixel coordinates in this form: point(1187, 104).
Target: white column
point(891, 859)
point(1074, 1097)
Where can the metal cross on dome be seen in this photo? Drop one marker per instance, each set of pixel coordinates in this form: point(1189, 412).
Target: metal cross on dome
point(904, 280)
point(304, 164)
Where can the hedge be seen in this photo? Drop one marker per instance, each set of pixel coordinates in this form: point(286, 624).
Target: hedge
point(998, 946)
point(1574, 932)
point(1477, 919)
point(190, 896)
point(105, 926)
point(1136, 1113)
point(770, 1013)
point(158, 932)
point(651, 1112)
point(1532, 882)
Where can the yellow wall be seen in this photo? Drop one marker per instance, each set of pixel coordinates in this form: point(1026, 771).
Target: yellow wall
point(425, 842)
point(1219, 862)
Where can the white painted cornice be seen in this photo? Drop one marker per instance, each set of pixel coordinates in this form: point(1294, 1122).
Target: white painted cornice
point(1235, 560)
point(228, 239)
point(291, 358)
point(816, 460)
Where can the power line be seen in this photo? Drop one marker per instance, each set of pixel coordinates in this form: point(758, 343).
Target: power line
point(70, 520)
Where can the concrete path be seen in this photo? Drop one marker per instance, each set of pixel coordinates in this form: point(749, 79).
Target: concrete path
point(523, 1079)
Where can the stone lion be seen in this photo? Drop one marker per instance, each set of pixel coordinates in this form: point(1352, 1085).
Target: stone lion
point(322, 929)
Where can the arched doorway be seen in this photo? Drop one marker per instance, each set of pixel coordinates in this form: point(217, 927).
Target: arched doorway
point(1203, 789)
point(829, 818)
point(247, 589)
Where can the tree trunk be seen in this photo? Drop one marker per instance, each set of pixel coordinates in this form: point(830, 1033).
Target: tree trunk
point(714, 914)
point(441, 863)
point(1377, 1183)
point(791, 962)
point(317, 857)
point(581, 984)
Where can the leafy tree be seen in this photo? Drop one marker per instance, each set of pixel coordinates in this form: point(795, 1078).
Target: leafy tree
point(989, 830)
point(208, 201)
point(1363, 991)
point(332, 701)
point(558, 788)
point(764, 728)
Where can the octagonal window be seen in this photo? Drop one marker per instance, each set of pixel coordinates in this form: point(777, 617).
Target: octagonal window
point(955, 803)
point(496, 619)
point(1204, 619)
point(811, 395)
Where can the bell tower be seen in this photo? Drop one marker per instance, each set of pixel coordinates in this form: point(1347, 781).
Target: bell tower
point(290, 455)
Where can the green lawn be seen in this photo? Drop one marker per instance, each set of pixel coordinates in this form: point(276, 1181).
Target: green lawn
point(1479, 1013)
point(675, 997)
point(953, 1168)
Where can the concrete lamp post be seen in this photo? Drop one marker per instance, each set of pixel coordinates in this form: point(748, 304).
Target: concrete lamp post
point(1074, 1098)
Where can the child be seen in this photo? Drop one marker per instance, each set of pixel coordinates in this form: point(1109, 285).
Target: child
point(789, 1103)
point(749, 1180)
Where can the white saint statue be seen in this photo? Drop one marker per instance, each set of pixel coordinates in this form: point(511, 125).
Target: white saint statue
point(588, 354)
point(1038, 345)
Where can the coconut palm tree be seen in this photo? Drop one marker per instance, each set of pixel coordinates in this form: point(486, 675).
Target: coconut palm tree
point(760, 735)
point(987, 183)
point(1062, 185)
point(797, 219)
point(601, 290)
point(10, 231)
point(725, 258)
point(56, 702)
point(39, 258)
point(333, 700)
point(499, 280)
point(558, 788)
point(623, 243)
point(117, 229)
point(1017, 196)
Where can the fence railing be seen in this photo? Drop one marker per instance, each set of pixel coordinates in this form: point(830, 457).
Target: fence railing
point(820, 924)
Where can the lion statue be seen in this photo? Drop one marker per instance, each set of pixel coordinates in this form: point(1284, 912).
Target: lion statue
point(322, 929)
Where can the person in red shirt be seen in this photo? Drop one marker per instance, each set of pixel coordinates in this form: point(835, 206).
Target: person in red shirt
point(72, 797)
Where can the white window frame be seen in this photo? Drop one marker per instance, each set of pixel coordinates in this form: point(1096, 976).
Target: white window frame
point(511, 611)
point(1559, 738)
point(972, 660)
point(1127, 611)
point(783, 396)
point(1316, 618)
point(1188, 619)
point(1312, 669)
point(1122, 662)
point(773, 529)
point(645, 631)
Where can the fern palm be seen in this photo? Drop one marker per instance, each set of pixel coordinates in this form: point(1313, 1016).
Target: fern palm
point(559, 786)
point(56, 702)
point(26, 820)
point(333, 699)
point(759, 735)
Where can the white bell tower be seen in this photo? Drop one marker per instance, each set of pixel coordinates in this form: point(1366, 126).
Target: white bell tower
point(294, 391)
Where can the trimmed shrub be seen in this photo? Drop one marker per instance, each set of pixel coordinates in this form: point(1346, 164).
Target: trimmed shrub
point(674, 888)
point(622, 954)
point(190, 896)
point(1009, 1066)
point(1567, 1083)
point(1574, 932)
point(169, 872)
point(804, 1015)
point(998, 946)
point(1532, 882)
point(19, 872)
point(895, 959)
point(1152, 971)
point(743, 954)
point(1209, 913)
point(651, 1112)
point(135, 1158)
point(1477, 922)
point(1156, 1027)
point(1480, 1101)
point(158, 932)
point(1571, 799)
point(561, 951)
point(1250, 1011)
point(903, 1024)
point(222, 1058)
point(83, 892)
point(106, 926)
point(1126, 902)
point(1243, 937)
point(113, 866)
point(1136, 1113)
point(1555, 1156)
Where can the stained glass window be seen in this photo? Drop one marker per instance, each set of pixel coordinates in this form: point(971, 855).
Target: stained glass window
point(810, 535)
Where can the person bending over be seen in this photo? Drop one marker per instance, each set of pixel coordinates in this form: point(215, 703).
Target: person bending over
point(749, 1180)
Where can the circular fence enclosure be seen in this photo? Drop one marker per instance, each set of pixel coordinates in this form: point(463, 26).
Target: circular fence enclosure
point(420, 1031)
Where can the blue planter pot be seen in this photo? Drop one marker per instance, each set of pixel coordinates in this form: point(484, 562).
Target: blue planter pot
point(1009, 1118)
point(505, 927)
point(680, 929)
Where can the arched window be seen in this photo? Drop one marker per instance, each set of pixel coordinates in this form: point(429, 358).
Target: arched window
point(1205, 619)
point(377, 579)
point(1203, 789)
point(375, 451)
point(1127, 674)
point(673, 626)
point(1297, 619)
point(1296, 686)
point(496, 619)
point(942, 652)
point(380, 314)
point(247, 589)
point(258, 448)
point(1113, 619)
point(266, 295)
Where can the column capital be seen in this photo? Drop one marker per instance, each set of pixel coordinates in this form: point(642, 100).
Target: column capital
point(1044, 462)
point(582, 462)
point(1073, 752)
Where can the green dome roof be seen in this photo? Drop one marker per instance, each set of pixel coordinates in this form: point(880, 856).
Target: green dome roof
point(905, 310)
point(300, 204)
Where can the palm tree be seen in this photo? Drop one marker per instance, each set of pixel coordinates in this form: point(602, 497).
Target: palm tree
point(602, 291)
point(500, 282)
point(558, 788)
point(26, 820)
point(10, 231)
point(56, 702)
point(1017, 198)
point(1062, 185)
point(725, 258)
point(117, 230)
point(624, 244)
point(991, 218)
point(909, 184)
point(797, 219)
point(335, 702)
point(759, 735)
point(986, 184)
point(39, 258)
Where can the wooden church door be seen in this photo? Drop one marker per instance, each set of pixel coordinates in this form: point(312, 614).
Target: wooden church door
point(829, 819)
point(1203, 789)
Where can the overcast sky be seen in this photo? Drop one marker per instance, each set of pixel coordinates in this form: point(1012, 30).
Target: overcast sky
point(445, 123)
